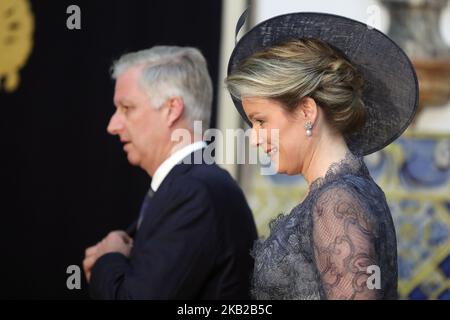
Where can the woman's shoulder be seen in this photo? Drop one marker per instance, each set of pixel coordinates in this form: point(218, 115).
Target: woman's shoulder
point(352, 182)
point(350, 169)
point(351, 198)
point(350, 177)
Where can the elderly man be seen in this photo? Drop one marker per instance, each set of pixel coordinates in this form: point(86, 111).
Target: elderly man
point(195, 230)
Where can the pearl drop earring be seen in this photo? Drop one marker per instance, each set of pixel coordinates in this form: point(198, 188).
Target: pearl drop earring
point(308, 128)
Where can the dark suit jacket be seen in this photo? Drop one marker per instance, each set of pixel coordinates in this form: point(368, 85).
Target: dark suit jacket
point(194, 242)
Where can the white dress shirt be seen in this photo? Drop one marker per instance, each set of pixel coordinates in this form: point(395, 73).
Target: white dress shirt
point(168, 164)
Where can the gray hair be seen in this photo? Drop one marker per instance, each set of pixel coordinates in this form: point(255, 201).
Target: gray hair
point(170, 71)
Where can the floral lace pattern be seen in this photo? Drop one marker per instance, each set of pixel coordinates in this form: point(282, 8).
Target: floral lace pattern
point(323, 248)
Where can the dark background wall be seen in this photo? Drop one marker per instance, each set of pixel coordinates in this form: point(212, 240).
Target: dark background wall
point(65, 181)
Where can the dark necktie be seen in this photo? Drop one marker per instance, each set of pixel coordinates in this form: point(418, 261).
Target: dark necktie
point(144, 206)
point(131, 230)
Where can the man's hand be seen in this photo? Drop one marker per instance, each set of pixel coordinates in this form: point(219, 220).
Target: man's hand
point(115, 241)
point(90, 257)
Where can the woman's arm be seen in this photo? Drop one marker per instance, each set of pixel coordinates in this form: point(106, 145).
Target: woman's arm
point(343, 245)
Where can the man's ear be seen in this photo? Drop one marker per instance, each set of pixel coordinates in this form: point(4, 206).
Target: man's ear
point(175, 110)
point(308, 109)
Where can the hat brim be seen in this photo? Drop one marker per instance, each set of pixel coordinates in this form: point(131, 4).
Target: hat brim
point(391, 88)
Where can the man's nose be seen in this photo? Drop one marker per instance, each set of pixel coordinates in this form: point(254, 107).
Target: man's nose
point(115, 124)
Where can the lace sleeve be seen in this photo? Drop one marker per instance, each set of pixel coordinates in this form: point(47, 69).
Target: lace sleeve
point(343, 244)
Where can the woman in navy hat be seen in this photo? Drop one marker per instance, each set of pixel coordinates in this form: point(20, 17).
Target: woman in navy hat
point(333, 90)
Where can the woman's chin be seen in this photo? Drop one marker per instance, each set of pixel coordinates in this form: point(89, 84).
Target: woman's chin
point(279, 169)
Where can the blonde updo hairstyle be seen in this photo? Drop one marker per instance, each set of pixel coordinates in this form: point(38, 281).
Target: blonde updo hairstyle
point(300, 68)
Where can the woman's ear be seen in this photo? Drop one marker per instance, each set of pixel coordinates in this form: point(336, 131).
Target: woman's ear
point(307, 109)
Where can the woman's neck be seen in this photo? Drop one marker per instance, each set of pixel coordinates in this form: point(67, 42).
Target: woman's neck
point(328, 150)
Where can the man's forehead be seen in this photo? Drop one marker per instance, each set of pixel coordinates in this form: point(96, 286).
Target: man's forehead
point(125, 86)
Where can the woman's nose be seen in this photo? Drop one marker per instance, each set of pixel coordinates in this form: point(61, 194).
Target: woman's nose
point(254, 138)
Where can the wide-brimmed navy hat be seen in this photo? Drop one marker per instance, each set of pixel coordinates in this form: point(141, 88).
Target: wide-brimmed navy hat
point(390, 90)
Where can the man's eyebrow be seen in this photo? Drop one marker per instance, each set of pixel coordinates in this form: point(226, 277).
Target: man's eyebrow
point(121, 102)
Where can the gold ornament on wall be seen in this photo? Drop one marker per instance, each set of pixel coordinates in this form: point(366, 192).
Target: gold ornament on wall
point(16, 41)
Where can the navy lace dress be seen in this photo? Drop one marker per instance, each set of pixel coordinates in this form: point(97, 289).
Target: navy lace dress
point(330, 245)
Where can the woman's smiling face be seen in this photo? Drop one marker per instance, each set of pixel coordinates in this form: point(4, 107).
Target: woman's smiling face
point(278, 132)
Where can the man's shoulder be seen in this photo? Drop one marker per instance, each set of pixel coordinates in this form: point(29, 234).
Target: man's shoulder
point(210, 175)
point(203, 178)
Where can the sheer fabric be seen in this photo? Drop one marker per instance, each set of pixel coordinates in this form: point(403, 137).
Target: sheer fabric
point(330, 245)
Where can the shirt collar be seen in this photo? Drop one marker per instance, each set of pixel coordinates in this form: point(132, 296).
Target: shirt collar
point(168, 164)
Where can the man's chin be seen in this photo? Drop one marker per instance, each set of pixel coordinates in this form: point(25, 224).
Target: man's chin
point(134, 161)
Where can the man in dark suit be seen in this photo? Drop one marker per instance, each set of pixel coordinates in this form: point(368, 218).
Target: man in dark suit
point(195, 230)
